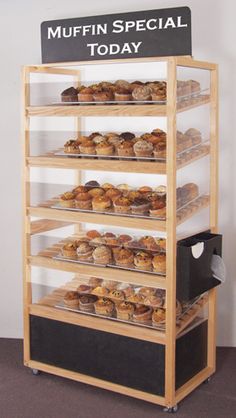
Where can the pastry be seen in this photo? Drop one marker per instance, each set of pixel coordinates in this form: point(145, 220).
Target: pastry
point(69, 95)
point(135, 84)
point(195, 136)
point(159, 263)
point(158, 209)
point(96, 191)
point(148, 243)
point(160, 150)
point(100, 291)
point(84, 252)
point(122, 95)
point(71, 147)
point(87, 147)
point(93, 234)
point(115, 141)
point(158, 95)
point(125, 149)
point(103, 95)
point(83, 201)
point(125, 310)
point(67, 200)
point(126, 289)
point(84, 288)
point(116, 294)
point(127, 136)
point(136, 298)
point(123, 84)
point(147, 291)
point(85, 95)
point(124, 187)
point(101, 203)
point(143, 149)
point(158, 316)
point(142, 93)
point(92, 184)
point(104, 148)
point(112, 241)
point(192, 191)
point(143, 260)
point(71, 299)
point(153, 139)
point(124, 257)
point(110, 284)
point(86, 303)
point(79, 189)
point(95, 134)
point(161, 242)
point(104, 307)
point(107, 186)
point(140, 206)
point(156, 301)
point(134, 194)
point(98, 241)
point(102, 255)
point(142, 314)
point(69, 250)
point(122, 204)
point(97, 139)
point(94, 281)
point(145, 190)
point(195, 86)
point(161, 190)
point(124, 238)
point(113, 193)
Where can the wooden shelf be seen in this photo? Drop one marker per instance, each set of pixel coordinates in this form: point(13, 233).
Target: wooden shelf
point(131, 277)
point(151, 224)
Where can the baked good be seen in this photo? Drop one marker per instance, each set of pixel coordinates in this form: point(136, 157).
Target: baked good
point(147, 291)
point(93, 234)
point(116, 295)
point(86, 303)
point(123, 84)
point(143, 260)
point(104, 148)
point(91, 184)
point(125, 310)
point(195, 86)
point(122, 204)
point(101, 203)
point(122, 95)
point(71, 147)
point(161, 242)
point(192, 191)
point(124, 238)
point(110, 284)
point(124, 187)
point(124, 257)
point(142, 314)
point(142, 93)
point(161, 190)
point(100, 291)
point(156, 301)
point(102, 255)
point(140, 206)
point(67, 200)
point(135, 298)
point(145, 190)
point(104, 307)
point(98, 138)
point(125, 149)
point(98, 241)
point(94, 134)
point(158, 316)
point(85, 95)
point(159, 263)
point(96, 191)
point(135, 84)
point(113, 193)
point(103, 95)
point(195, 136)
point(69, 250)
point(158, 94)
point(83, 201)
point(112, 241)
point(69, 95)
point(115, 141)
point(94, 281)
point(148, 242)
point(84, 252)
point(71, 299)
point(87, 147)
point(134, 194)
point(107, 186)
point(129, 136)
point(79, 189)
point(84, 288)
point(178, 307)
point(158, 208)
point(143, 149)
point(160, 150)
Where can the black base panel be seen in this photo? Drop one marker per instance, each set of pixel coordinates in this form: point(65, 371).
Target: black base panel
point(126, 361)
point(191, 354)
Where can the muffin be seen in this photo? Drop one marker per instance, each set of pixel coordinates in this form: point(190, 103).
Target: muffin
point(104, 148)
point(94, 281)
point(84, 252)
point(67, 200)
point(143, 261)
point(148, 243)
point(69, 95)
point(102, 255)
point(83, 201)
point(93, 233)
point(124, 257)
point(85, 95)
point(96, 191)
point(69, 250)
point(192, 191)
point(122, 95)
point(195, 136)
point(128, 136)
point(142, 93)
point(101, 203)
point(158, 317)
point(158, 209)
point(115, 141)
point(161, 242)
point(122, 204)
point(80, 189)
point(71, 299)
point(71, 147)
point(158, 95)
point(160, 150)
point(124, 238)
point(125, 310)
point(107, 186)
point(159, 263)
point(123, 84)
point(87, 147)
point(92, 184)
point(113, 193)
point(84, 289)
point(140, 206)
point(86, 303)
point(100, 291)
point(143, 149)
point(98, 138)
point(125, 149)
point(142, 314)
point(161, 190)
point(103, 95)
point(97, 241)
point(104, 307)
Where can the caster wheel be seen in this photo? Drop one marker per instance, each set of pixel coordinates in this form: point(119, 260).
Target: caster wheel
point(35, 372)
point(171, 409)
point(207, 380)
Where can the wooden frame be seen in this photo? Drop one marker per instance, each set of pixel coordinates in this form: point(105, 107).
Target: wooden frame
point(52, 219)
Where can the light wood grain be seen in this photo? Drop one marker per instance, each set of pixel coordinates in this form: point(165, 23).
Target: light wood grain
point(193, 383)
point(52, 70)
point(189, 62)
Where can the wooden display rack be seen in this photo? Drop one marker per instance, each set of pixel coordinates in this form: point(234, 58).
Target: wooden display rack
point(51, 219)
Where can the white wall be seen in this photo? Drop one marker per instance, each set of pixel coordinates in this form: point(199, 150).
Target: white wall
point(214, 37)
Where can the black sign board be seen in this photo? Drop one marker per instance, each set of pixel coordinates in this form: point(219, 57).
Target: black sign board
point(124, 35)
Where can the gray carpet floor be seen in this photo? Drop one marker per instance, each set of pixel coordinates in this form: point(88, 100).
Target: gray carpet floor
point(23, 395)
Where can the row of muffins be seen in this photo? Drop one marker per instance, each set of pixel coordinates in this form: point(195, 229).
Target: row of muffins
point(127, 144)
point(119, 91)
point(120, 256)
